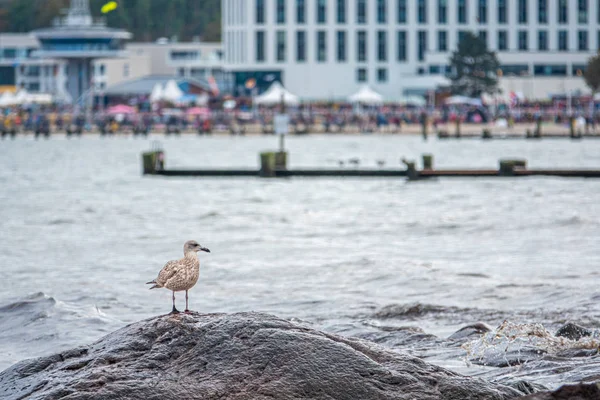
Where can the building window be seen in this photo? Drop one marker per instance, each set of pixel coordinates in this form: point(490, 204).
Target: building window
point(542, 40)
point(361, 75)
point(502, 12)
point(434, 70)
point(382, 11)
point(523, 40)
point(483, 36)
point(361, 11)
point(563, 12)
point(582, 40)
point(422, 11)
point(578, 69)
point(422, 43)
point(382, 46)
point(280, 11)
point(442, 41)
point(543, 11)
point(482, 12)
point(341, 46)
point(462, 11)
point(181, 72)
point(341, 11)
point(502, 41)
point(102, 69)
point(550, 70)
point(514, 69)
point(280, 46)
point(301, 11)
point(522, 12)
point(321, 46)
point(382, 75)
point(260, 46)
point(401, 10)
point(321, 11)
point(563, 41)
point(184, 55)
point(260, 11)
point(461, 36)
point(126, 70)
point(300, 46)
point(361, 43)
point(401, 50)
point(442, 12)
point(582, 11)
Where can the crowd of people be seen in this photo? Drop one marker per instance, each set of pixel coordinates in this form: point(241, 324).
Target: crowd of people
point(328, 117)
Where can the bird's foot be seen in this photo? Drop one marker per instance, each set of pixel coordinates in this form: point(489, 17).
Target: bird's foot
point(175, 311)
point(187, 311)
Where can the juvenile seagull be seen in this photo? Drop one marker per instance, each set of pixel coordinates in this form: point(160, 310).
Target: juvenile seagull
point(180, 275)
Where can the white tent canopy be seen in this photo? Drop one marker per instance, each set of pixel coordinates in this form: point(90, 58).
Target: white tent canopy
point(274, 94)
point(463, 100)
point(366, 95)
point(412, 100)
point(172, 92)
point(157, 93)
point(7, 99)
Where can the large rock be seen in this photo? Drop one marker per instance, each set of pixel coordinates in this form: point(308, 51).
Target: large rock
point(582, 391)
point(236, 356)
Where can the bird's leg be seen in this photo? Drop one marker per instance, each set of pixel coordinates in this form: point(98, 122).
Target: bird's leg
point(175, 311)
point(186, 302)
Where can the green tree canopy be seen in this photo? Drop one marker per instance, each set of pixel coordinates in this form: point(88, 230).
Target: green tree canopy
point(146, 19)
point(592, 73)
point(474, 68)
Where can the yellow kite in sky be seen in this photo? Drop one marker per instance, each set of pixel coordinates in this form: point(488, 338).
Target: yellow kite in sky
point(108, 7)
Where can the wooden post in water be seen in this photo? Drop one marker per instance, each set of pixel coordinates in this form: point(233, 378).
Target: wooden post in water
point(507, 167)
point(457, 126)
point(267, 164)
point(427, 161)
point(153, 161)
point(538, 128)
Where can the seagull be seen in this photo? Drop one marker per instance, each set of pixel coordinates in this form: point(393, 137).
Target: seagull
point(180, 275)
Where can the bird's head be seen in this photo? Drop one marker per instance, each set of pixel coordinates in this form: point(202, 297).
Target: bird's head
point(193, 246)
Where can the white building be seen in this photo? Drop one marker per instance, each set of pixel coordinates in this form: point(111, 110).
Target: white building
point(327, 49)
point(19, 68)
point(196, 59)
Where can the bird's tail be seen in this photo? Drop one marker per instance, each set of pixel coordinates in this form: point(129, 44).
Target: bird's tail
point(153, 282)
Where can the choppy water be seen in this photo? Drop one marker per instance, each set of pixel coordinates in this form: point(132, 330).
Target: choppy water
point(403, 264)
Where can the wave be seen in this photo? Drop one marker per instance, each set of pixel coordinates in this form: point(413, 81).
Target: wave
point(411, 310)
point(61, 221)
point(515, 344)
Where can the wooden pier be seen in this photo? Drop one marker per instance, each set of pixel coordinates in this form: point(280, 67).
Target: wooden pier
point(273, 166)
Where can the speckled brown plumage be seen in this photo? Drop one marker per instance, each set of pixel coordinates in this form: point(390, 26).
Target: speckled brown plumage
point(181, 275)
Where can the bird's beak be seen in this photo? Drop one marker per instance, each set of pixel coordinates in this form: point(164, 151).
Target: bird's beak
point(205, 249)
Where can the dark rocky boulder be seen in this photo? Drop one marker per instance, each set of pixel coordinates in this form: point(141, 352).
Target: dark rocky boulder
point(573, 331)
point(235, 356)
point(582, 391)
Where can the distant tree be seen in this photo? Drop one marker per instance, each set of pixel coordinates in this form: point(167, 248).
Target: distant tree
point(592, 73)
point(146, 19)
point(474, 68)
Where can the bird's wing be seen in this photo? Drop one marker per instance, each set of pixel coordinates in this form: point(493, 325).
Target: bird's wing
point(169, 270)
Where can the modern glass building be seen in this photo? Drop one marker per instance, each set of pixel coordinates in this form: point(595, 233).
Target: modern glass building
point(328, 48)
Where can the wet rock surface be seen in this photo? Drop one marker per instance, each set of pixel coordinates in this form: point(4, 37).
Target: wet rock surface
point(573, 331)
point(581, 391)
point(236, 356)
